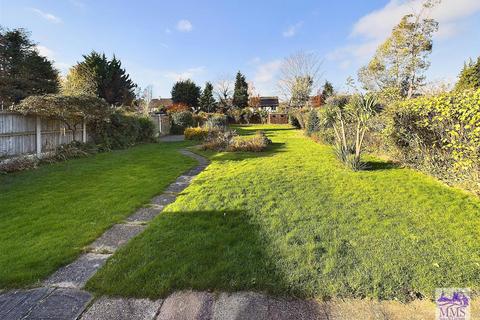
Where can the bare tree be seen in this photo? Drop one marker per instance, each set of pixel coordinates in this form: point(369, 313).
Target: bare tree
point(300, 74)
point(223, 89)
point(144, 96)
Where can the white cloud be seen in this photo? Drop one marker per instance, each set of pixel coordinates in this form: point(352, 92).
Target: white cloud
point(267, 71)
point(292, 30)
point(47, 16)
point(51, 55)
point(372, 29)
point(254, 61)
point(168, 31)
point(185, 74)
point(44, 51)
point(184, 25)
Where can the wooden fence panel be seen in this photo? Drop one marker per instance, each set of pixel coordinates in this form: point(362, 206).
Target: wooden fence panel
point(18, 134)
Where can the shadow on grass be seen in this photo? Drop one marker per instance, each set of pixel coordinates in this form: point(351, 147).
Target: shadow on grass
point(378, 165)
point(200, 250)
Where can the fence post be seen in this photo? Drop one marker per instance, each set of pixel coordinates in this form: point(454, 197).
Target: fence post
point(38, 131)
point(84, 131)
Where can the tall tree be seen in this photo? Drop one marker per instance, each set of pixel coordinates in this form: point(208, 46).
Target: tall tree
point(23, 71)
point(207, 101)
point(301, 91)
point(327, 90)
point(112, 83)
point(186, 92)
point(401, 61)
point(469, 77)
point(299, 76)
point(79, 81)
point(240, 92)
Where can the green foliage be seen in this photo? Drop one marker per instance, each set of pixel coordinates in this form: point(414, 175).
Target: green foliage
point(350, 122)
point(80, 80)
point(207, 101)
point(197, 133)
point(469, 78)
point(186, 92)
point(71, 110)
point(313, 123)
point(121, 131)
point(440, 134)
point(240, 93)
point(401, 61)
point(112, 83)
point(301, 91)
point(181, 121)
point(327, 90)
point(216, 121)
point(23, 71)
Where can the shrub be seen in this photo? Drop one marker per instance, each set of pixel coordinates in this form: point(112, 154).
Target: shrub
point(219, 140)
point(440, 135)
point(216, 121)
point(197, 133)
point(181, 121)
point(121, 131)
point(313, 123)
point(18, 164)
point(257, 143)
point(72, 150)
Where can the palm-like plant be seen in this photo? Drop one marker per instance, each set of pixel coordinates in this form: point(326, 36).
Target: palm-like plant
point(355, 115)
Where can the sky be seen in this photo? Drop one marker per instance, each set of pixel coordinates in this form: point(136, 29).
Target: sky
point(160, 42)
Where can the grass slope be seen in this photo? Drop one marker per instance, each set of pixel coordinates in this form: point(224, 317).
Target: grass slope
point(293, 221)
point(48, 215)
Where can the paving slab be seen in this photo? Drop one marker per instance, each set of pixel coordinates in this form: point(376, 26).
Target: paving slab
point(115, 237)
point(185, 178)
point(187, 305)
point(177, 187)
point(201, 160)
point(61, 304)
point(241, 306)
point(145, 214)
point(76, 274)
point(164, 199)
point(286, 309)
point(17, 304)
point(122, 309)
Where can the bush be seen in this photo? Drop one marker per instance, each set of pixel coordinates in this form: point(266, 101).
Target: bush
point(440, 135)
point(313, 123)
point(181, 121)
point(216, 121)
point(219, 140)
point(121, 131)
point(197, 133)
point(257, 143)
point(72, 150)
point(230, 141)
point(18, 164)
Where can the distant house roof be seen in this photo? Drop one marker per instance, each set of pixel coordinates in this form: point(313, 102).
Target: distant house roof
point(268, 102)
point(158, 103)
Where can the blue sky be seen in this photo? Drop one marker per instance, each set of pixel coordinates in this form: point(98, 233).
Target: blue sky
point(162, 41)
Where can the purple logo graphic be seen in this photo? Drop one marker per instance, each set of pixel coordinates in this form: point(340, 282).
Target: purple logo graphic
point(453, 304)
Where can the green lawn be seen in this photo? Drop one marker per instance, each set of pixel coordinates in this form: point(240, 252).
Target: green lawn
point(293, 221)
point(49, 215)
